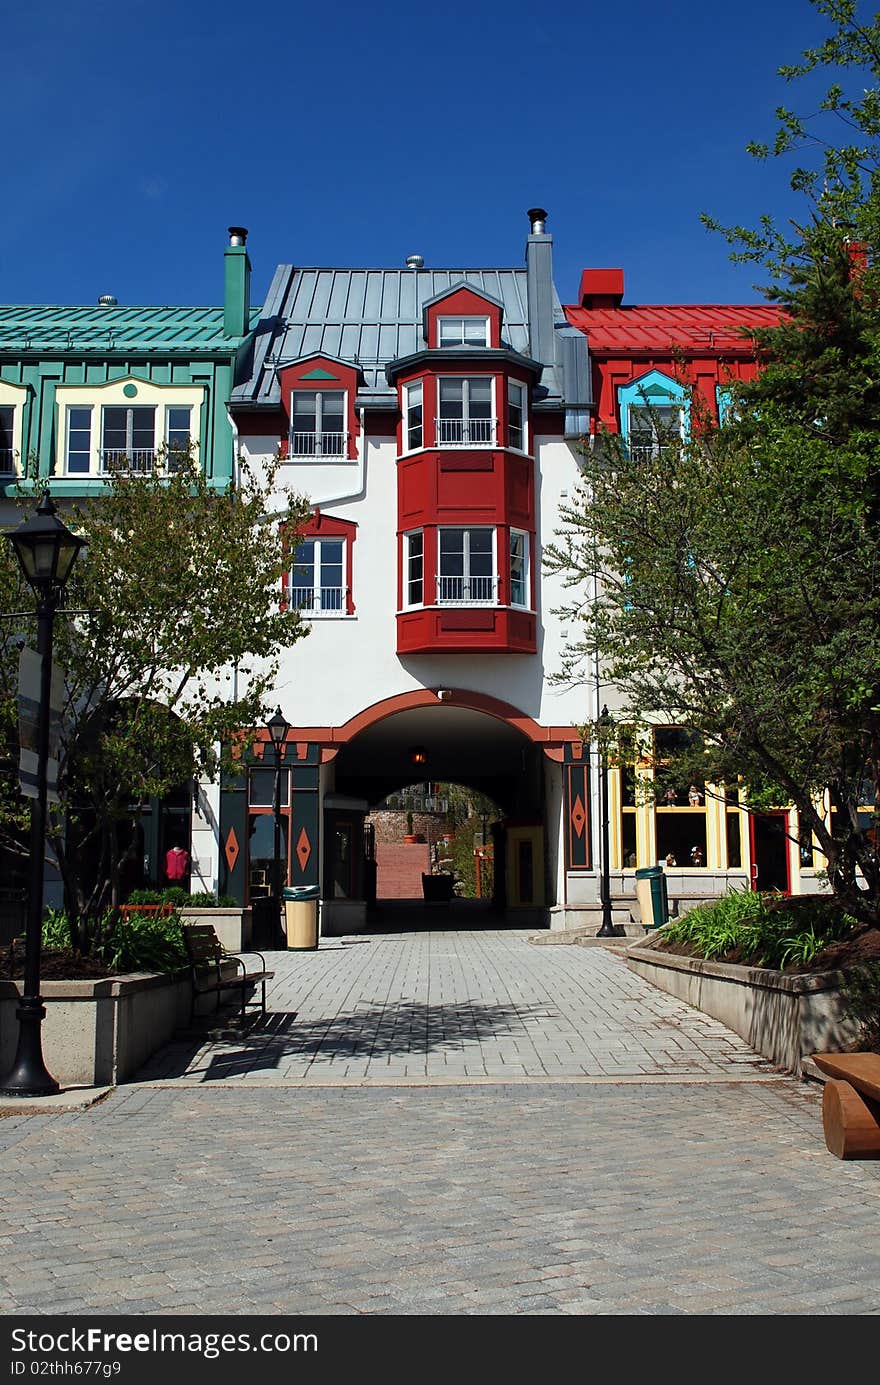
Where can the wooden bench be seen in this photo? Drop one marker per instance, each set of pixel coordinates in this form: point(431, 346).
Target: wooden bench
point(206, 958)
point(851, 1104)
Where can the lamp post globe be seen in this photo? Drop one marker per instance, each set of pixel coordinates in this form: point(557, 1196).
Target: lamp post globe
point(46, 551)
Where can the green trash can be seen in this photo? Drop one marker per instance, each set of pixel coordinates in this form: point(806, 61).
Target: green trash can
point(301, 917)
point(652, 896)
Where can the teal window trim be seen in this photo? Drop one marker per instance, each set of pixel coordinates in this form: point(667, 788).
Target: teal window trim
point(652, 389)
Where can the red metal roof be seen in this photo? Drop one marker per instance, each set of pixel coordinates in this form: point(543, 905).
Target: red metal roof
point(710, 327)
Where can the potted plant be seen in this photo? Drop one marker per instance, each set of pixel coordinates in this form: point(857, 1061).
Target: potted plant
point(409, 836)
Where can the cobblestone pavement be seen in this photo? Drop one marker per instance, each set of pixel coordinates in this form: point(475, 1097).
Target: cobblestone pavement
point(697, 1182)
point(435, 1006)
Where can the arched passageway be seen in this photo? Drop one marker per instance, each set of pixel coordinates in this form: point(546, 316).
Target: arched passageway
point(460, 739)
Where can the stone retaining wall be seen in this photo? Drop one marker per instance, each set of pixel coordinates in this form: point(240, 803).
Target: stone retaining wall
point(785, 1018)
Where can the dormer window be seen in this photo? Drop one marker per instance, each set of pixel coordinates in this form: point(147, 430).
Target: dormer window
point(129, 425)
point(463, 331)
point(653, 415)
point(465, 413)
point(317, 423)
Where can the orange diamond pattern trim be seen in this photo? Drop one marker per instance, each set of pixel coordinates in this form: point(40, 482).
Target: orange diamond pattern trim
point(231, 849)
point(303, 849)
point(578, 816)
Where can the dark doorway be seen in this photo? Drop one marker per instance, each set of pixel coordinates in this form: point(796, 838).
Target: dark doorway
point(769, 841)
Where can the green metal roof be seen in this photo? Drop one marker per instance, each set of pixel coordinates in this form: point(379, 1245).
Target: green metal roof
point(45, 328)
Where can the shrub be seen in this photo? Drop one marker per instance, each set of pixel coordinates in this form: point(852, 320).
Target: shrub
point(762, 930)
point(145, 942)
point(138, 943)
point(56, 929)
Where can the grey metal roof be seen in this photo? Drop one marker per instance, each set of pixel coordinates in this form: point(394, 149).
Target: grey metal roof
point(370, 317)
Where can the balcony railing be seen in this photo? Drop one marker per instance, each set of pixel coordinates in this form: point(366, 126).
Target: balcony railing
point(644, 451)
point(318, 600)
point(318, 444)
point(137, 459)
point(466, 432)
point(7, 459)
point(466, 591)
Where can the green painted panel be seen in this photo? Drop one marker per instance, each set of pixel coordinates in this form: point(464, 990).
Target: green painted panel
point(305, 827)
point(576, 823)
point(233, 818)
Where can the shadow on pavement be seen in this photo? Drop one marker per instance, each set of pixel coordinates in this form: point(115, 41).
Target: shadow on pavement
point(407, 1028)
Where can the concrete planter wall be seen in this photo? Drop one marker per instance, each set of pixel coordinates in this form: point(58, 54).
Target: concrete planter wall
point(98, 1033)
point(785, 1018)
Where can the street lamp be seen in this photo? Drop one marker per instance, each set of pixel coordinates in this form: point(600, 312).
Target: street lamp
point(607, 929)
point(278, 728)
point(46, 551)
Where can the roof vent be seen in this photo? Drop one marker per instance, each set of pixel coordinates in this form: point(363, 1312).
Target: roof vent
point(415, 261)
point(538, 217)
point(237, 235)
point(106, 301)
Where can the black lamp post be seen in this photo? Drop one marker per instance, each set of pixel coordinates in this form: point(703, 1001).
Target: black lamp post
point(278, 728)
point(46, 551)
point(607, 929)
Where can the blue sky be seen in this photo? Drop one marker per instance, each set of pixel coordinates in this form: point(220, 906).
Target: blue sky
point(349, 134)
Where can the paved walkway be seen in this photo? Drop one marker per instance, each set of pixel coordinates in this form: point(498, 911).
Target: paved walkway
point(637, 1158)
point(434, 1007)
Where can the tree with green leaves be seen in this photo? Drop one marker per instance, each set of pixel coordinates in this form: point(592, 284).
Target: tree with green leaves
point(170, 649)
point(737, 571)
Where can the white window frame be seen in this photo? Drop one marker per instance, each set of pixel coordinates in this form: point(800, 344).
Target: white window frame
point(135, 459)
point(189, 436)
point(414, 387)
point(486, 587)
point(407, 558)
point(526, 603)
point(85, 408)
point(319, 455)
point(466, 420)
point(460, 320)
point(323, 600)
point(658, 444)
point(524, 405)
